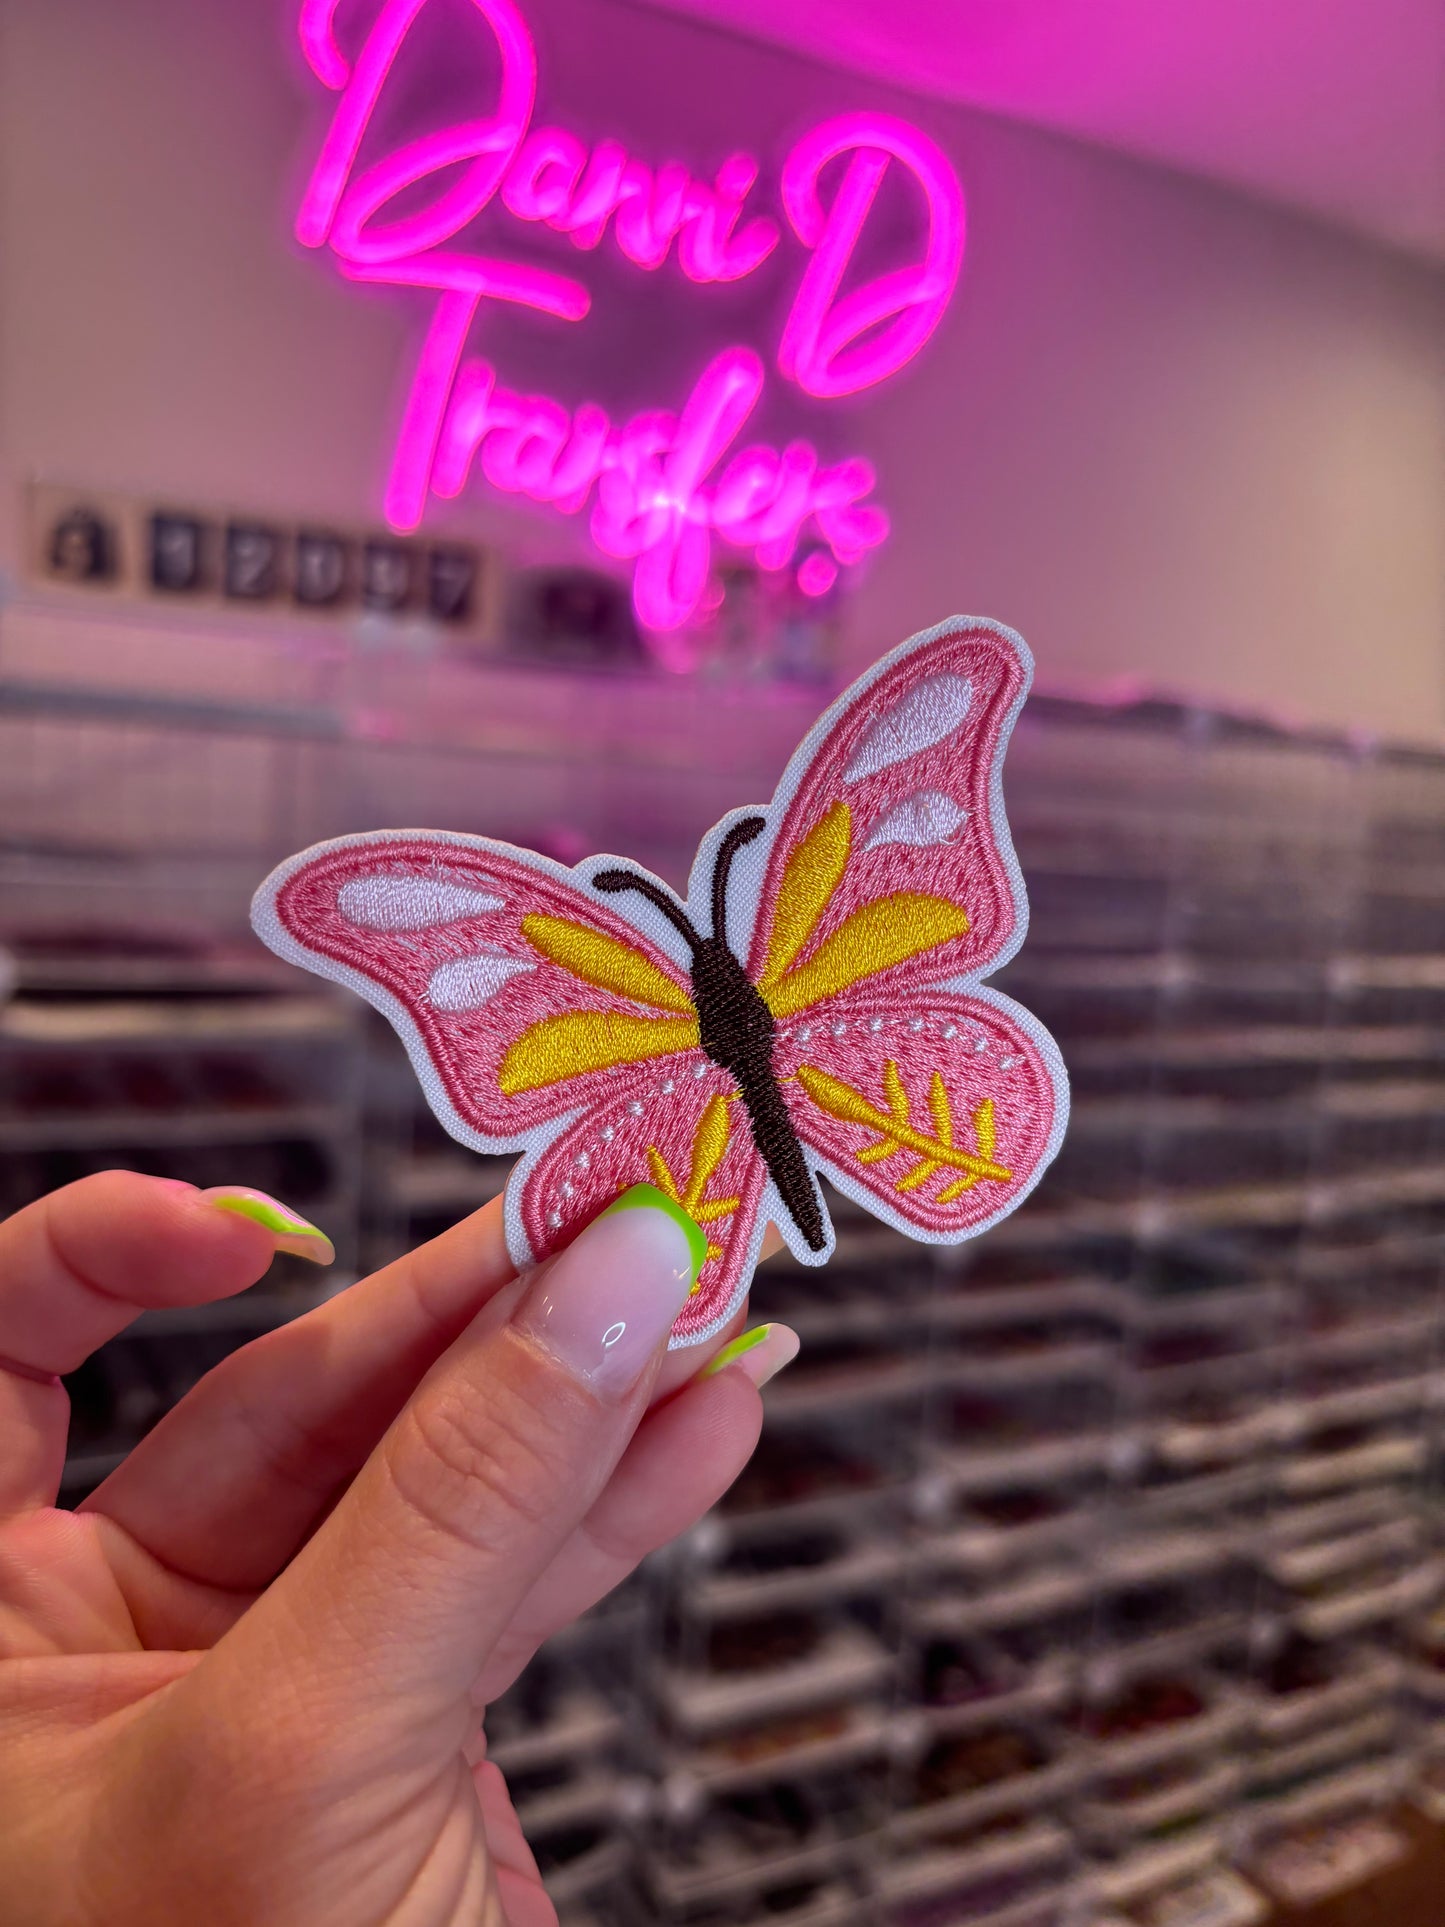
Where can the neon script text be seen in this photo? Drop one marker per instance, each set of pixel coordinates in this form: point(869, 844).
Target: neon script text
point(651, 484)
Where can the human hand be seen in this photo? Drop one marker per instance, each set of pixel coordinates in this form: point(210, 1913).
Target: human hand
point(243, 1683)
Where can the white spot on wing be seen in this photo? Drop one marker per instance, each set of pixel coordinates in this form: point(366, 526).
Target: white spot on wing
point(409, 903)
point(925, 819)
point(924, 717)
point(468, 982)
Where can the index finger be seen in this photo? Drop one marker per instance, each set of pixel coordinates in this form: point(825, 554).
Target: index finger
point(77, 1267)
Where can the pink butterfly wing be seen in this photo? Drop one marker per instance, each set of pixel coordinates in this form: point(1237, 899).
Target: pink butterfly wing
point(428, 927)
point(682, 1128)
point(913, 753)
point(940, 1113)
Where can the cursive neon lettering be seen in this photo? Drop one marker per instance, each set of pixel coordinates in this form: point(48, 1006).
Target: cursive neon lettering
point(314, 28)
point(710, 247)
point(662, 485)
point(332, 209)
point(556, 181)
point(824, 348)
point(653, 504)
point(817, 573)
point(462, 282)
point(542, 181)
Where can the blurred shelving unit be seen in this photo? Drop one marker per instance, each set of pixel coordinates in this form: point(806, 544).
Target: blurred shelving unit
point(208, 1067)
point(1087, 1576)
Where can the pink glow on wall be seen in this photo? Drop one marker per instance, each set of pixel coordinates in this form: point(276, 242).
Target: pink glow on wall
point(647, 479)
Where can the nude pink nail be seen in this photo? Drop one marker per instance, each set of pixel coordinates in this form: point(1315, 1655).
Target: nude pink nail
point(606, 1304)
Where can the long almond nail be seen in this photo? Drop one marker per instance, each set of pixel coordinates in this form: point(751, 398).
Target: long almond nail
point(290, 1231)
point(606, 1304)
point(760, 1354)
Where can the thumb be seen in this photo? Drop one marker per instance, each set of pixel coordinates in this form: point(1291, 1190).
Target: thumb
point(496, 1459)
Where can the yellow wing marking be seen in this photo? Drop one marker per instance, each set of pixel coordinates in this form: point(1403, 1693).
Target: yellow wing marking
point(709, 1144)
point(604, 962)
point(810, 876)
point(896, 1132)
point(876, 936)
point(561, 1047)
point(983, 1133)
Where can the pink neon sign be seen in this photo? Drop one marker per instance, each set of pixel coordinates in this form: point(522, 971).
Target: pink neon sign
point(660, 486)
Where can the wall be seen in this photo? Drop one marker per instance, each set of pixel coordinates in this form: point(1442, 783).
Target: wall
point(1169, 434)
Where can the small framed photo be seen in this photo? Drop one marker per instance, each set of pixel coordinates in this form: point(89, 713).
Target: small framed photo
point(82, 546)
point(252, 571)
point(451, 584)
point(386, 575)
point(177, 553)
point(320, 571)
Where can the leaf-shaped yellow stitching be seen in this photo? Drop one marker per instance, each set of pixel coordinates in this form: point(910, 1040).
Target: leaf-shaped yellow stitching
point(876, 1153)
point(557, 1048)
point(851, 1107)
point(811, 874)
point(604, 962)
point(983, 1131)
point(942, 1113)
point(894, 1092)
point(708, 1146)
point(661, 1176)
point(880, 934)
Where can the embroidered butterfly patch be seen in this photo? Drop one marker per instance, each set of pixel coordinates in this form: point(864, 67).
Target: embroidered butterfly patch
point(812, 1007)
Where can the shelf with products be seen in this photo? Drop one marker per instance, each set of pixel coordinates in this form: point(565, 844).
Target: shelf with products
point(1216, 1898)
point(778, 1664)
point(190, 1059)
point(1124, 1809)
point(786, 1748)
point(960, 1681)
point(945, 1886)
point(553, 1714)
point(1310, 1860)
point(755, 1842)
point(808, 1567)
point(1368, 1784)
point(1305, 1685)
point(969, 1780)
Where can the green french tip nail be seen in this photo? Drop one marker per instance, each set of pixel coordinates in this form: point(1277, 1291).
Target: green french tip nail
point(291, 1231)
point(730, 1353)
point(647, 1197)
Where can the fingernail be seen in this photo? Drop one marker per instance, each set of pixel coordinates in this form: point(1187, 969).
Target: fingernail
point(288, 1228)
point(760, 1353)
point(647, 1197)
point(606, 1303)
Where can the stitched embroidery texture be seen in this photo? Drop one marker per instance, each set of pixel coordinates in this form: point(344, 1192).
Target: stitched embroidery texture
point(813, 1006)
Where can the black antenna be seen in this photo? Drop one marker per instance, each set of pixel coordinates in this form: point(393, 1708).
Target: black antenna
point(738, 836)
point(614, 881)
